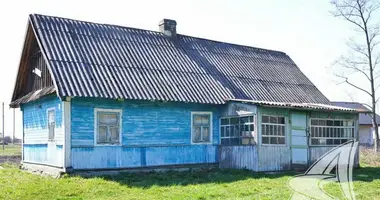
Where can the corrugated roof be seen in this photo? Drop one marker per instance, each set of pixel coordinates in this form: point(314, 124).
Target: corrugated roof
point(303, 106)
point(33, 96)
point(364, 118)
point(98, 60)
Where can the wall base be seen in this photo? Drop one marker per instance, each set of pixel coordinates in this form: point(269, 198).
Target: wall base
point(115, 171)
point(41, 169)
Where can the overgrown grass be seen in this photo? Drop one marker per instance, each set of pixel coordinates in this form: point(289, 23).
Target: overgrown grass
point(10, 150)
point(212, 184)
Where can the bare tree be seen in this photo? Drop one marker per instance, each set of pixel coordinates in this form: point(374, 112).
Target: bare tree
point(364, 54)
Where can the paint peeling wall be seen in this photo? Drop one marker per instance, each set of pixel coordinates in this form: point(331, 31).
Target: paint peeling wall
point(153, 134)
point(256, 158)
point(274, 158)
point(35, 147)
point(238, 157)
point(318, 152)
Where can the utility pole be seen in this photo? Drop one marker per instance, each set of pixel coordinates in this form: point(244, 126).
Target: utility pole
point(3, 128)
point(14, 126)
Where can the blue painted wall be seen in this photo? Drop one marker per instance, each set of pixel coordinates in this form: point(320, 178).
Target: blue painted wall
point(37, 148)
point(153, 133)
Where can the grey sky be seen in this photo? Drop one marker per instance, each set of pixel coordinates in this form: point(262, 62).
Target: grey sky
point(305, 30)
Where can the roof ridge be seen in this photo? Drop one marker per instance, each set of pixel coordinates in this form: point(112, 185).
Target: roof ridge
point(178, 34)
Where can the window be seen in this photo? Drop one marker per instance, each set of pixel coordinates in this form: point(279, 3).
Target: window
point(237, 130)
point(201, 127)
point(51, 124)
point(331, 132)
point(273, 129)
point(108, 126)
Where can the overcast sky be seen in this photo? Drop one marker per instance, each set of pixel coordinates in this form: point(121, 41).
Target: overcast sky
point(305, 30)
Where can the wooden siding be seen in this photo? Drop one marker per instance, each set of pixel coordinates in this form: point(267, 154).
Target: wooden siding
point(128, 157)
point(35, 147)
point(144, 123)
point(39, 154)
point(274, 158)
point(35, 120)
point(256, 158)
point(36, 82)
point(27, 81)
point(238, 157)
point(317, 152)
point(153, 134)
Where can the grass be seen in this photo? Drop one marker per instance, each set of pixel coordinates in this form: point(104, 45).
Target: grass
point(212, 184)
point(10, 150)
point(215, 184)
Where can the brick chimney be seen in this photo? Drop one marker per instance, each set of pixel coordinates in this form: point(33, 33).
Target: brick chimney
point(168, 27)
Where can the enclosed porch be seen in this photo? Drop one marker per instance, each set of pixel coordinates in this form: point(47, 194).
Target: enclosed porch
point(277, 137)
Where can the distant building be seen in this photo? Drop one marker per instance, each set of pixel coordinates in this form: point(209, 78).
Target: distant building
point(366, 132)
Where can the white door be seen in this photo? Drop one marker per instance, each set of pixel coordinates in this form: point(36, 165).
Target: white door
point(299, 141)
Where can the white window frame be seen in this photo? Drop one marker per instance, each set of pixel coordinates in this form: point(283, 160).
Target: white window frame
point(47, 122)
point(322, 126)
point(191, 129)
point(261, 130)
point(254, 123)
point(96, 110)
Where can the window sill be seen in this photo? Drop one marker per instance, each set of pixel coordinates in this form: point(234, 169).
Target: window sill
point(202, 143)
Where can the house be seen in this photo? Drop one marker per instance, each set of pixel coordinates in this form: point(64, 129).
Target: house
point(366, 131)
point(105, 97)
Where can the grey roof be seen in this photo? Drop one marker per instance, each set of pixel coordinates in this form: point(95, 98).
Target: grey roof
point(98, 60)
point(33, 96)
point(303, 106)
point(364, 118)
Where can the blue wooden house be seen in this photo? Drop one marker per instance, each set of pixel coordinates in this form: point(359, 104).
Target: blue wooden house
point(105, 97)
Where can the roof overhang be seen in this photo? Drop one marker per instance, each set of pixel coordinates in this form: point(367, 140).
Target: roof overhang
point(301, 106)
point(32, 96)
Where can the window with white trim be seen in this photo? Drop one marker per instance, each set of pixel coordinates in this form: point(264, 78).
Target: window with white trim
point(108, 126)
point(331, 132)
point(273, 129)
point(201, 127)
point(237, 130)
point(51, 124)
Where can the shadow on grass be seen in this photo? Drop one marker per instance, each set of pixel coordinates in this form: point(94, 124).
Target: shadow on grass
point(183, 178)
point(367, 174)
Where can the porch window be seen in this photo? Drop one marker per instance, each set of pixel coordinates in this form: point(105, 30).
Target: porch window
point(51, 124)
point(201, 127)
point(237, 130)
point(273, 129)
point(107, 126)
point(331, 132)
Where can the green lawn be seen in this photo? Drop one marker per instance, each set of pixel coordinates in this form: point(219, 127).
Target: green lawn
point(10, 150)
point(214, 184)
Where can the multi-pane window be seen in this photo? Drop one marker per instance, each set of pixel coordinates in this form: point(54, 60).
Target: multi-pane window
point(108, 126)
point(273, 130)
point(51, 124)
point(237, 130)
point(331, 132)
point(201, 127)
